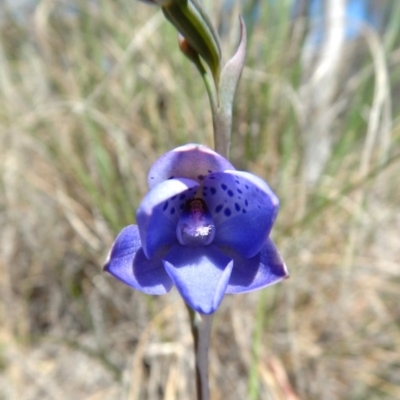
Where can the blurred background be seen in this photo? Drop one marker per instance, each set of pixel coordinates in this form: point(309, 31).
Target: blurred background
point(92, 92)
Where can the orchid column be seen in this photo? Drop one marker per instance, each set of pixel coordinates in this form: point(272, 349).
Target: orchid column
point(204, 226)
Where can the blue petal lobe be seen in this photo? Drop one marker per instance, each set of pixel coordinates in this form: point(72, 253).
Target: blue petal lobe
point(159, 211)
point(127, 262)
point(264, 269)
point(200, 274)
point(243, 208)
point(193, 161)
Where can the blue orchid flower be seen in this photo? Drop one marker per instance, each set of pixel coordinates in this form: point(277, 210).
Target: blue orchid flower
point(203, 227)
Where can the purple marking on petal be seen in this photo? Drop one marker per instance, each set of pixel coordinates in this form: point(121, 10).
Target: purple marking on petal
point(127, 262)
point(200, 274)
point(193, 161)
point(246, 220)
point(157, 215)
point(219, 208)
point(264, 269)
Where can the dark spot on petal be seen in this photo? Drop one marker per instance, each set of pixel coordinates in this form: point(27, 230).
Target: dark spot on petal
point(165, 206)
point(152, 177)
point(209, 171)
point(244, 211)
point(237, 181)
point(181, 206)
point(204, 193)
point(182, 196)
point(205, 187)
point(174, 197)
point(213, 190)
point(246, 202)
point(247, 187)
point(237, 207)
point(218, 208)
point(224, 187)
point(200, 177)
point(230, 193)
point(239, 191)
point(227, 212)
point(171, 177)
point(212, 177)
point(172, 210)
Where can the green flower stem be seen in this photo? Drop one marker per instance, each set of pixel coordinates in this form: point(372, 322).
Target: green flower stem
point(201, 331)
point(220, 85)
point(221, 144)
point(222, 97)
point(222, 124)
point(221, 139)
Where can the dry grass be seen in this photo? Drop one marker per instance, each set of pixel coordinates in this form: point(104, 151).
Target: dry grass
point(88, 100)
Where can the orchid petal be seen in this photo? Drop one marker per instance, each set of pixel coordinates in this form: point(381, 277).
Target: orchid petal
point(127, 262)
point(193, 161)
point(243, 208)
point(201, 275)
point(159, 212)
point(264, 269)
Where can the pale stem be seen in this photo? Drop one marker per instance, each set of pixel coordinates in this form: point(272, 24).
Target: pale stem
point(222, 132)
point(201, 331)
point(222, 94)
point(220, 143)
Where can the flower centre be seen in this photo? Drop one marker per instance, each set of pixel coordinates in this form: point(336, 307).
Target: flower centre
point(195, 226)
